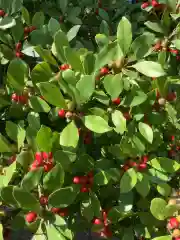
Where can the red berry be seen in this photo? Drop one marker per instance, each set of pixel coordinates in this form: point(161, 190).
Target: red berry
point(155, 3)
point(132, 163)
point(177, 238)
point(31, 217)
point(158, 95)
point(145, 5)
point(15, 97)
point(48, 167)
point(172, 138)
point(64, 67)
point(97, 11)
point(142, 166)
point(43, 200)
point(171, 96)
point(55, 210)
point(144, 159)
point(174, 223)
point(32, 28)
point(50, 155)
point(19, 54)
point(104, 71)
point(23, 99)
point(18, 46)
point(97, 221)
point(116, 101)
point(76, 180)
point(26, 30)
point(84, 189)
point(175, 51)
point(127, 115)
point(39, 157)
point(63, 212)
point(45, 155)
point(171, 153)
point(2, 13)
point(34, 165)
point(62, 113)
point(125, 167)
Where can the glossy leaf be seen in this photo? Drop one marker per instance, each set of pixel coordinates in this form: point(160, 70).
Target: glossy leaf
point(146, 131)
point(119, 121)
point(128, 181)
point(96, 124)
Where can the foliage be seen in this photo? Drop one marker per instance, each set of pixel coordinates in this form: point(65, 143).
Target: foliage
point(89, 118)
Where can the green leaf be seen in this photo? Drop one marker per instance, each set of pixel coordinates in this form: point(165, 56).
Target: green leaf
point(124, 35)
point(65, 158)
point(119, 121)
point(177, 43)
point(143, 185)
point(7, 195)
point(46, 55)
point(113, 85)
point(41, 73)
point(155, 26)
point(25, 15)
point(34, 120)
point(26, 200)
point(89, 61)
point(73, 58)
point(164, 164)
point(58, 49)
point(17, 74)
point(69, 76)
point(96, 205)
point(1, 232)
point(4, 144)
point(157, 208)
point(138, 98)
point(38, 104)
point(63, 197)
point(73, 32)
point(128, 234)
point(87, 209)
point(16, 133)
point(164, 189)
point(25, 158)
point(102, 178)
point(9, 171)
point(146, 131)
point(32, 179)
point(52, 94)
point(128, 181)
point(96, 124)
point(53, 26)
point(38, 19)
point(54, 179)
point(149, 68)
point(63, 5)
point(7, 22)
point(69, 136)
point(43, 139)
point(52, 231)
point(86, 86)
point(18, 30)
point(108, 54)
point(168, 237)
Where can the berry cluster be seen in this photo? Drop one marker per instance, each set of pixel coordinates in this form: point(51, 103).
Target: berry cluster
point(140, 166)
point(28, 30)
point(64, 67)
point(173, 226)
point(105, 232)
point(174, 147)
point(153, 3)
point(23, 99)
point(43, 159)
point(63, 114)
point(19, 54)
point(85, 181)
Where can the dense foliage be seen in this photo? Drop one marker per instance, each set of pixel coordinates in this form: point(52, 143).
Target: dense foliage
point(89, 118)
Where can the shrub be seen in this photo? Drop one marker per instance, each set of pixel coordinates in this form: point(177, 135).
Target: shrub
point(89, 118)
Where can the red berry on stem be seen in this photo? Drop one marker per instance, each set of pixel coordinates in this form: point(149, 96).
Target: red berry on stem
point(64, 67)
point(2, 13)
point(104, 71)
point(55, 210)
point(18, 46)
point(174, 51)
point(125, 167)
point(116, 101)
point(62, 113)
point(50, 155)
point(23, 99)
point(45, 155)
point(173, 222)
point(84, 189)
point(144, 159)
point(142, 166)
point(32, 28)
point(76, 180)
point(127, 115)
point(145, 5)
point(63, 212)
point(39, 157)
point(154, 3)
point(171, 96)
point(48, 167)
point(43, 200)
point(97, 221)
point(31, 217)
point(18, 54)
point(26, 30)
point(15, 97)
